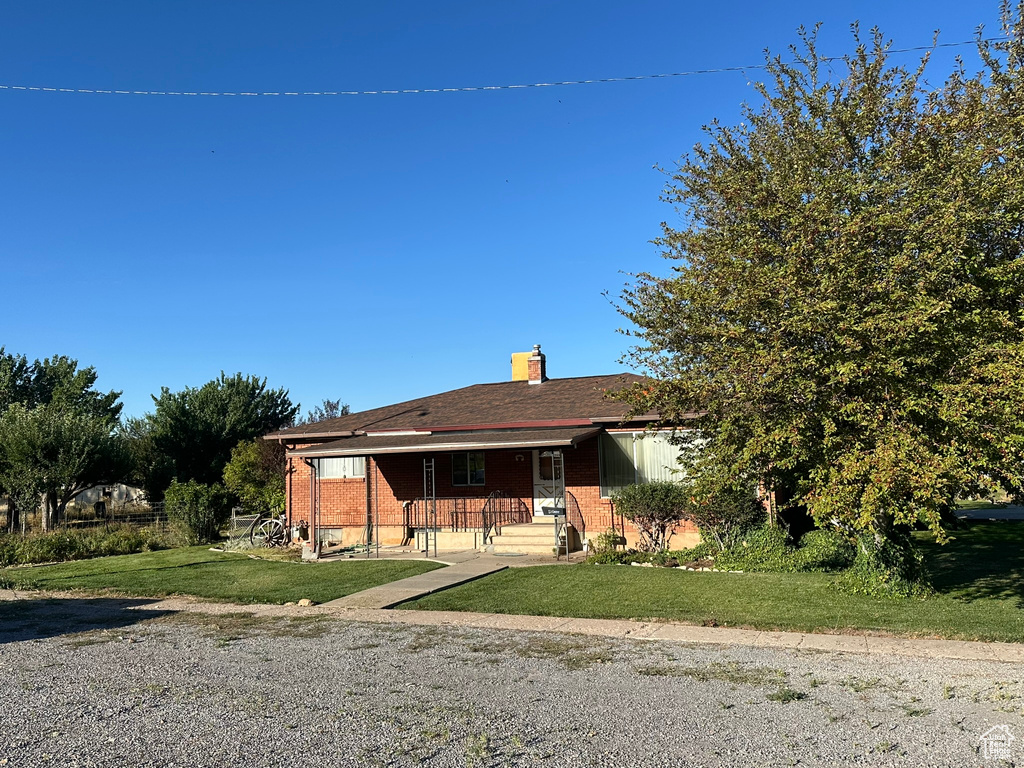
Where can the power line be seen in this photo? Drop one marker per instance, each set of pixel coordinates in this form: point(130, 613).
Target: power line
point(463, 89)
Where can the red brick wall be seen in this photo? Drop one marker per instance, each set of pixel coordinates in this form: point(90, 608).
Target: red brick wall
point(396, 478)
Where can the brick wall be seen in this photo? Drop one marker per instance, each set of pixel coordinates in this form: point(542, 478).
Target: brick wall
point(397, 478)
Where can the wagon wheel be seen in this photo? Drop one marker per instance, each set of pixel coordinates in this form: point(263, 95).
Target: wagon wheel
point(268, 533)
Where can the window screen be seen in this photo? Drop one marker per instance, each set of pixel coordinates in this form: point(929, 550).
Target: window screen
point(347, 466)
point(636, 457)
point(616, 459)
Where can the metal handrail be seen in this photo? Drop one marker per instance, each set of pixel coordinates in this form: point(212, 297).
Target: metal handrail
point(501, 509)
point(574, 516)
point(467, 513)
point(454, 513)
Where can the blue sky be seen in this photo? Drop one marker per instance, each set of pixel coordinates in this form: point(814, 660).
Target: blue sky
point(370, 248)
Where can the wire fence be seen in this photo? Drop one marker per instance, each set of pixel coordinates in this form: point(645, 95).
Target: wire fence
point(79, 517)
point(239, 530)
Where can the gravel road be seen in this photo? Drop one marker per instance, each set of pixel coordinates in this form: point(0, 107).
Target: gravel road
point(89, 683)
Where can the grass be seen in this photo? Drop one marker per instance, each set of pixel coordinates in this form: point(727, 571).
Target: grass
point(980, 504)
point(215, 575)
point(979, 579)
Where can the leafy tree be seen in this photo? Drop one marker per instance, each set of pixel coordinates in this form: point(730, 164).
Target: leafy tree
point(57, 434)
point(328, 409)
point(152, 470)
point(193, 431)
point(255, 475)
point(844, 309)
point(655, 509)
point(55, 452)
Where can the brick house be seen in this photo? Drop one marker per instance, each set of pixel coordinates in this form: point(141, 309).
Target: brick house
point(475, 466)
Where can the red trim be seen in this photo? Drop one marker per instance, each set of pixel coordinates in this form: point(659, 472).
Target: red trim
point(510, 425)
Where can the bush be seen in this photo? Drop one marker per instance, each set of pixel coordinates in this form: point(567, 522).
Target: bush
point(724, 513)
point(825, 551)
point(655, 509)
point(769, 550)
point(65, 545)
point(608, 541)
point(200, 510)
point(892, 568)
point(762, 549)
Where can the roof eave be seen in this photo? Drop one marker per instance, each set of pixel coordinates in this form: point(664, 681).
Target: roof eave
point(508, 445)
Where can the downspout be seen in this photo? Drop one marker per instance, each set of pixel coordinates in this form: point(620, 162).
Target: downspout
point(289, 471)
point(313, 521)
point(369, 506)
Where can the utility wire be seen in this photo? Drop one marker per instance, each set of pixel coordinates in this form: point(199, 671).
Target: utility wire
point(688, 73)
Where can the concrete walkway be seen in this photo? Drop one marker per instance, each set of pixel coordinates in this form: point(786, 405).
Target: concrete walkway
point(395, 592)
point(639, 630)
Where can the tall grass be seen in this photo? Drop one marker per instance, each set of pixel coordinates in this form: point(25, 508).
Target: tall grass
point(71, 544)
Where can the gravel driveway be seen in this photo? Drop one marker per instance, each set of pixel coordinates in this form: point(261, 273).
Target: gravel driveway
point(88, 683)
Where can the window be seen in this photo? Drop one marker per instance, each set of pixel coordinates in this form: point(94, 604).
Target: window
point(347, 466)
point(468, 468)
point(636, 457)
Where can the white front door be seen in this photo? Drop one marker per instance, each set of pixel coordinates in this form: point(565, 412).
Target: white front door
point(548, 487)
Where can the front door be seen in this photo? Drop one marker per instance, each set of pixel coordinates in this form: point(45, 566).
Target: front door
point(548, 484)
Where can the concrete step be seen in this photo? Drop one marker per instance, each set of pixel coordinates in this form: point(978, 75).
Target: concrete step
point(548, 538)
point(524, 549)
point(528, 529)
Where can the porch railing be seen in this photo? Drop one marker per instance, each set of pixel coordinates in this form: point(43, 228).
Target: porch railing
point(573, 516)
point(500, 509)
point(462, 513)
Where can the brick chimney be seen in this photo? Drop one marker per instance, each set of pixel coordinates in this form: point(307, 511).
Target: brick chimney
point(536, 366)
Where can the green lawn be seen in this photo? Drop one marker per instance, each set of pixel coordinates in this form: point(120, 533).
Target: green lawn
point(230, 577)
point(979, 578)
point(980, 504)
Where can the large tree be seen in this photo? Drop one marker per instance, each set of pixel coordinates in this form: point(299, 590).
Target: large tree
point(843, 313)
point(191, 433)
point(58, 434)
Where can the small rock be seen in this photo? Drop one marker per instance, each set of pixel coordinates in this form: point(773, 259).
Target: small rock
point(305, 602)
point(291, 603)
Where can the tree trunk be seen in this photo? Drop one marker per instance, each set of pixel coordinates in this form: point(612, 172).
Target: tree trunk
point(49, 511)
point(12, 516)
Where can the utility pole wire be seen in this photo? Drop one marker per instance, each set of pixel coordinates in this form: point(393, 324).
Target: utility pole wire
point(463, 89)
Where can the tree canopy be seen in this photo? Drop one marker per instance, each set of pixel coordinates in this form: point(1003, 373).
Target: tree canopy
point(58, 434)
point(843, 313)
point(191, 433)
point(328, 409)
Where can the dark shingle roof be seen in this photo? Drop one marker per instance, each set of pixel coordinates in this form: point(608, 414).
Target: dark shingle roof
point(577, 400)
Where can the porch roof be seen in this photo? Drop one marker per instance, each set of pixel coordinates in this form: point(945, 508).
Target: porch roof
point(477, 440)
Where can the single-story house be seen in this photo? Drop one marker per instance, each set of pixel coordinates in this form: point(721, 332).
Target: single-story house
point(488, 464)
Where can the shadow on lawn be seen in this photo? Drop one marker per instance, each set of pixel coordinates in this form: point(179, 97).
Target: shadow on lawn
point(985, 560)
point(38, 618)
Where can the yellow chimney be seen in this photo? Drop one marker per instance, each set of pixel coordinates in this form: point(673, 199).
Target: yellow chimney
point(521, 366)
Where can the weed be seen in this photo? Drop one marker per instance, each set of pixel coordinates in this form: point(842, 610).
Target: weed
point(477, 749)
point(785, 694)
point(912, 711)
point(859, 685)
point(733, 673)
point(573, 655)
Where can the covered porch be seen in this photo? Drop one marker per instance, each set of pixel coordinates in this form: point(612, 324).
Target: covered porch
point(507, 490)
